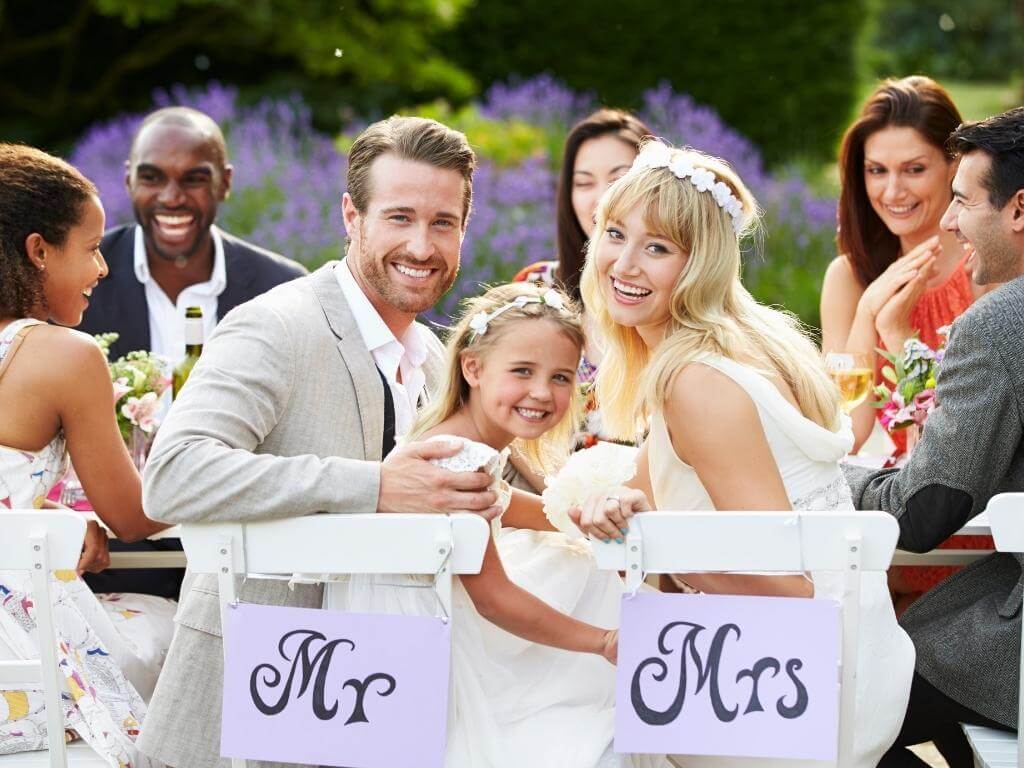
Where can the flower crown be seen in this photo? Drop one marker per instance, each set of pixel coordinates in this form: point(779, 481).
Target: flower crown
point(658, 155)
point(480, 321)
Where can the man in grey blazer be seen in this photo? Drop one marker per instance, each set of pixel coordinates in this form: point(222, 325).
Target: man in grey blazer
point(967, 630)
point(299, 395)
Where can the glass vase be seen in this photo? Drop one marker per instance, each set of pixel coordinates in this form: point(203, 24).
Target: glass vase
point(138, 446)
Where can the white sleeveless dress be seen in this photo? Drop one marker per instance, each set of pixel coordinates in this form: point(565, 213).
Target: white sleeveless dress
point(514, 703)
point(807, 456)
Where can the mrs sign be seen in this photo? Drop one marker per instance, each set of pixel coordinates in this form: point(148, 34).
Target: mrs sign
point(723, 675)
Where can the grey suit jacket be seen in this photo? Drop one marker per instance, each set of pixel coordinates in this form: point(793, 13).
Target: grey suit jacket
point(967, 629)
point(282, 416)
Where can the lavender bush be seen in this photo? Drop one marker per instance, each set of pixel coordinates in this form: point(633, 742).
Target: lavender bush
point(289, 179)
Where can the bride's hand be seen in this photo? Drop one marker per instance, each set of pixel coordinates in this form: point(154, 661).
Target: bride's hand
point(605, 516)
point(611, 646)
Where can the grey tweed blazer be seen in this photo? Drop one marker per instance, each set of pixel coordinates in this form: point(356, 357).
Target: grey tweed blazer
point(282, 416)
point(967, 630)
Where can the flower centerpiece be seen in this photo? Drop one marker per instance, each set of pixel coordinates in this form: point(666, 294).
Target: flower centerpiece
point(139, 379)
point(911, 398)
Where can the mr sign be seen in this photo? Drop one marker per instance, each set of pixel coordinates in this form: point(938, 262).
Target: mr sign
point(329, 688)
point(724, 675)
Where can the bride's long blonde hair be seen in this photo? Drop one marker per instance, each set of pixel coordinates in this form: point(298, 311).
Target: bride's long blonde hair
point(711, 311)
point(549, 451)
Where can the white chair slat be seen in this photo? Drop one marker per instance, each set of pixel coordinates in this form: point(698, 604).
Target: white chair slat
point(64, 532)
point(40, 541)
point(994, 748)
point(373, 543)
point(20, 672)
point(80, 755)
point(755, 541)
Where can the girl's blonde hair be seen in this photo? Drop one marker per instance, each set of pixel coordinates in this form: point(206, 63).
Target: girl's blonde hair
point(547, 452)
point(711, 312)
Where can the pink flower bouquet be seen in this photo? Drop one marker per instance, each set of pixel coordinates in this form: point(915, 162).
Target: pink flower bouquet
point(139, 378)
point(911, 399)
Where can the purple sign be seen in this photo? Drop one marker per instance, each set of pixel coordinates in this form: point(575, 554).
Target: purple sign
point(728, 675)
point(303, 685)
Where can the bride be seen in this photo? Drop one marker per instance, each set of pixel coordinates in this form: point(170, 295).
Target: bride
point(738, 410)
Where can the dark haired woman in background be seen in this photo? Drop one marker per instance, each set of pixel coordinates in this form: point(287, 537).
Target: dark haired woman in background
point(599, 149)
point(56, 397)
point(898, 274)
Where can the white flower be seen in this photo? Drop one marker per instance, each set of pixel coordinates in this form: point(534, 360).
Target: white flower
point(702, 179)
point(121, 388)
point(586, 473)
point(681, 167)
point(734, 208)
point(521, 301)
point(478, 323)
point(721, 192)
point(654, 155)
point(553, 299)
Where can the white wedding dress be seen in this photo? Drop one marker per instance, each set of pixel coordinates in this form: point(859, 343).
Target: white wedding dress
point(514, 703)
point(807, 456)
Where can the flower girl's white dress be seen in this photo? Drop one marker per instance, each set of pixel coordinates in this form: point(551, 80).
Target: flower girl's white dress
point(514, 703)
point(807, 456)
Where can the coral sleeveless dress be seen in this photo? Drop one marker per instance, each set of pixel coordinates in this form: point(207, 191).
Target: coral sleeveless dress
point(936, 308)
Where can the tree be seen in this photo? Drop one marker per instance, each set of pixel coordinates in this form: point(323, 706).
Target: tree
point(66, 62)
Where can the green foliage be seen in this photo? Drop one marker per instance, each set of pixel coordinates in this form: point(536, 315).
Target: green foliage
point(69, 62)
point(783, 72)
point(962, 39)
point(504, 142)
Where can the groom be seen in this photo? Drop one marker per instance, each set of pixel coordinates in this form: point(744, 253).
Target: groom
point(967, 630)
point(299, 395)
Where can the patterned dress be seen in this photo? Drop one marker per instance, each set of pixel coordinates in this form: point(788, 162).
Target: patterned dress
point(100, 705)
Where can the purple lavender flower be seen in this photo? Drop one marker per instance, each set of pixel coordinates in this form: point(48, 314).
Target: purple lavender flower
point(289, 179)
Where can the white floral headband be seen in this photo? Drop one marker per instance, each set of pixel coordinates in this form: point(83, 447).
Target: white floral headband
point(481, 320)
point(658, 155)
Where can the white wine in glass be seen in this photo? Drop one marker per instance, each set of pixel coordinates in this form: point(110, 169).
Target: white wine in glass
point(854, 376)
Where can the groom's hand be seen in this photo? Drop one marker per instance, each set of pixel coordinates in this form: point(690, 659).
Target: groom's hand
point(410, 483)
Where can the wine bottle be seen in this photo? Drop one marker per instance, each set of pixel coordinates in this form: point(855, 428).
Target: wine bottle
point(193, 349)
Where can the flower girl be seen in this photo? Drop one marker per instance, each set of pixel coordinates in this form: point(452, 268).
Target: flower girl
point(519, 696)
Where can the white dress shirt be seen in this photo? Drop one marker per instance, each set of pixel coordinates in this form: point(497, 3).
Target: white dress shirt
point(389, 353)
point(167, 318)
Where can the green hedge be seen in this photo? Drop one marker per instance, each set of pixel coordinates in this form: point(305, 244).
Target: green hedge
point(783, 72)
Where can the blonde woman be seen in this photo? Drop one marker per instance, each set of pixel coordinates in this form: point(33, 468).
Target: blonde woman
point(739, 412)
point(519, 697)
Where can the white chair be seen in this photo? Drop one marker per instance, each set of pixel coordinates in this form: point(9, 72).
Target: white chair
point(39, 542)
point(994, 748)
point(852, 542)
point(338, 544)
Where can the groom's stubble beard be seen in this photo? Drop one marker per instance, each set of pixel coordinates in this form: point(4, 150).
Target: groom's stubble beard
point(375, 271)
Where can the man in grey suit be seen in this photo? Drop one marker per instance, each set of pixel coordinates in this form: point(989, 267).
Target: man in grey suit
point(299, 395)
point(967, 630)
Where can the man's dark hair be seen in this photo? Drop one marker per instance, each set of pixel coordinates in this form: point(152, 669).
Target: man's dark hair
point(40, 194)
point(1002, 139)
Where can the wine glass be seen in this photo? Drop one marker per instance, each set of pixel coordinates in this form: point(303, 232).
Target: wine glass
point(854, 374)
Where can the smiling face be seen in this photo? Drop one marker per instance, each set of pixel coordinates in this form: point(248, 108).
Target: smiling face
point(979, 226)
point(599, 162)
point(405, 248)
point(638, 270)
point(176, 179)
point(72, 270)
point(523, 384)
point(907, 181)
